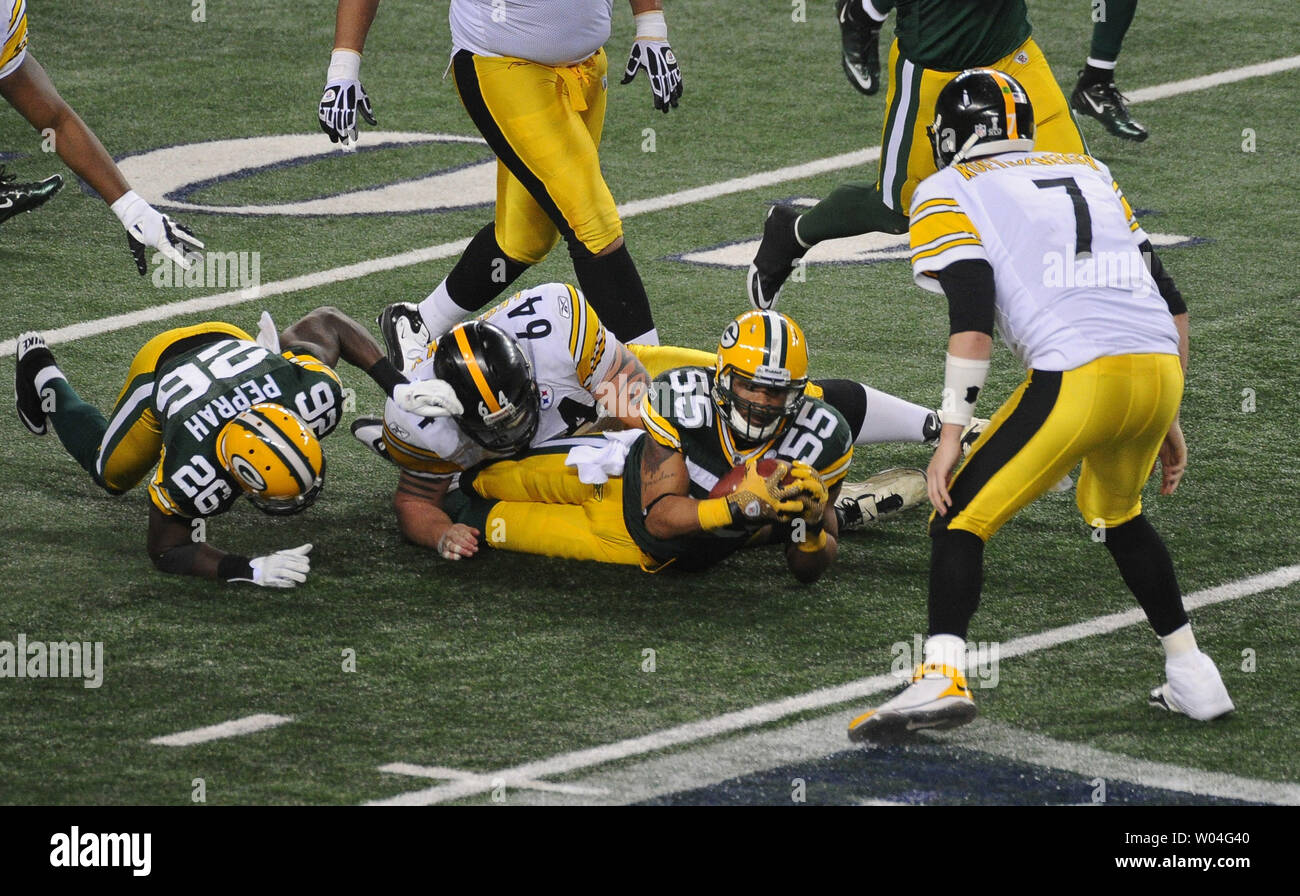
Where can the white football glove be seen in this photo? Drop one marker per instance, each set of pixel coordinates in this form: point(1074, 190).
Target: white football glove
point(651, 52)
point(283, 569)
point(146, 227)
point(428, 398)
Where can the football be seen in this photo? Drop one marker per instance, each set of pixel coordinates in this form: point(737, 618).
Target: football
point(736, 475)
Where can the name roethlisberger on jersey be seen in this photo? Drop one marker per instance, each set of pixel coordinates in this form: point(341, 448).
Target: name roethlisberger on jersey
point(978, 166)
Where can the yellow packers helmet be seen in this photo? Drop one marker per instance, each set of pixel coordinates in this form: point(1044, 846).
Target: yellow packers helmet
point(979, 113)
point(763, 352)
point(274, 457)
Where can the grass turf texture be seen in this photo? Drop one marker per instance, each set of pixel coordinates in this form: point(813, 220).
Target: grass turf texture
point(446, 652)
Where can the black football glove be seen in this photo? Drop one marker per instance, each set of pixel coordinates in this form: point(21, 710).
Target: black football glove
point(660, 64)
point(339, 105)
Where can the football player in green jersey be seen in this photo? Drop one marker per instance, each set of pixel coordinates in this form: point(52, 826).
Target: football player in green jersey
point(220, 415)
point(1095, 94)
point(754, 404)
point(936, 39)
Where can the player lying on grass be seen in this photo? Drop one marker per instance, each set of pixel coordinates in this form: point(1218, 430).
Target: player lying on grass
point(220, 415)
point(514, 394)
point(24, 84)
point(584, 375)
point(1106, 362)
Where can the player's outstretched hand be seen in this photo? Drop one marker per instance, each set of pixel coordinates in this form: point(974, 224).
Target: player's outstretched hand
point(339, 104)
point(147, 228)
point(652, 52)
point(812, 492)
point(939, 473)
point(283, 569)
point(458, 541)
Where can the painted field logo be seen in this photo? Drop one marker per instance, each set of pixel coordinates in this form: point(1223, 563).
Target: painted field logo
point(53, 659)
point(78, 850)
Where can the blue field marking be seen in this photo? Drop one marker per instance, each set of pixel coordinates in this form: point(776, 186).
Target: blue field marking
point(926, 775)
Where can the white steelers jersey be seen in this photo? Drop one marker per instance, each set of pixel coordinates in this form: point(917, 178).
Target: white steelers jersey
point(1063, 243)
point(571, 353)
point(552, 32)
point(13, 25)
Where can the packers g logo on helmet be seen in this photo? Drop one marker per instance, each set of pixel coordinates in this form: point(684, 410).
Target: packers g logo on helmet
point(274, 457)
point(765, 353)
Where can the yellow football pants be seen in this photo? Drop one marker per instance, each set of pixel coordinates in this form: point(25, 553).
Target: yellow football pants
point(544, 124)
point(133, 440)
point(543, 508)
point(906, 157)
point(1112, 413)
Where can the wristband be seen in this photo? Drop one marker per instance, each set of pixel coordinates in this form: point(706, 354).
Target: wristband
point(345, 65)
point(963, 378)
point(812, 546)
point(123, 203)
point(651, 25)
point(714, 513)
point(234, 568)
point(386, 375)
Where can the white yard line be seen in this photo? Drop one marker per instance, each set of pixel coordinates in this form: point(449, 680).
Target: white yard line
point(233, 728)
point(627, 210)
point(820, 699)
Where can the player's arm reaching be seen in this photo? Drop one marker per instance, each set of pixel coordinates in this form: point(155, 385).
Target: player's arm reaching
point(344, 96)
point(651, 51)
point(420, 516)
point(29, 90)
point(969, 287)
point(172, 549)
point(328, 334)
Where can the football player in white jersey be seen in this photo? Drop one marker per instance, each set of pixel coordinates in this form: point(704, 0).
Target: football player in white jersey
point(532, 74)
point(24, 84)
point(532, 369)
point(1046, 245)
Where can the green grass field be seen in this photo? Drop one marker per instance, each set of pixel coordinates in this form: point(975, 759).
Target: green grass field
point(508, 660)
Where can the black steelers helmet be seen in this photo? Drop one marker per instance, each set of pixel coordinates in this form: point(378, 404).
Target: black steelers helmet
point(494, 382)
point(978, 113)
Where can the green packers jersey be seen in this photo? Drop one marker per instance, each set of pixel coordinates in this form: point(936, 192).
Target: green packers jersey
point(197, 392)
point(679, 413)
point(952, 35)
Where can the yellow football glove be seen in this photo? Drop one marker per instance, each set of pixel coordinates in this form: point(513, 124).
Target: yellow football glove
point(812, 491)
point(757, 501)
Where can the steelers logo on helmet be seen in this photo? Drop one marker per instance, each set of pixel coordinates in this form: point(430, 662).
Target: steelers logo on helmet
point(761, 372)
point(980, 112)
point(493, 379)
point(274, 457)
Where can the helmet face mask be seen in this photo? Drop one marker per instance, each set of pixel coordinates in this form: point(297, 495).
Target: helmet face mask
point(761, 373)
point(274, 457)
point(980, 112)
point(493, 379)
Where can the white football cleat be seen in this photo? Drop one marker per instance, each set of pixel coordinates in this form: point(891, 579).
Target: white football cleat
point(884, 495)
point(405, 336)
point(937, 698)
point(1194, 688)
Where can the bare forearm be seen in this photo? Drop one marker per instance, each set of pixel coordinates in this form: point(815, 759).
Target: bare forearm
point(30, 91)
point(419, 511)
point(352, 23)
point(1184, 339)
point(640, 6)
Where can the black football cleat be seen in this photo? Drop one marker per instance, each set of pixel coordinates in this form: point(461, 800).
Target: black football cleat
point(405, 335)
point(32, 357)
point(860, 42)
point(1104, 102)
point(775, 258)
point(16, 198)
point(369, 431)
